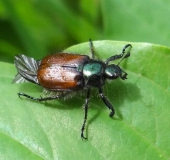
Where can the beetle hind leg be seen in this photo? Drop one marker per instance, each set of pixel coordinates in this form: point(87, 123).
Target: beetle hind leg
point(41, 98)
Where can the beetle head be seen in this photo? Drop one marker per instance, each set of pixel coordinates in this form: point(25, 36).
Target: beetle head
point(113, 71)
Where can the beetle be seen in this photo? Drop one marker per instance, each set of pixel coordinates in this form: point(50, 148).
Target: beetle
point(65, 73)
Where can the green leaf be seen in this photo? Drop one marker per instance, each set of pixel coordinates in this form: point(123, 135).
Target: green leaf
point(140, 128)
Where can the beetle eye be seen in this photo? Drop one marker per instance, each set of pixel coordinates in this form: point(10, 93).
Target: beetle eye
point(112, 71)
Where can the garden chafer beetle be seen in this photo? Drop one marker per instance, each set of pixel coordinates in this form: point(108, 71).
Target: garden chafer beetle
point(64, 73)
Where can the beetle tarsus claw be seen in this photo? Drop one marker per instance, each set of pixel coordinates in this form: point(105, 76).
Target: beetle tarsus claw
point(82, 137)
point(112, 113)
point(19, 95)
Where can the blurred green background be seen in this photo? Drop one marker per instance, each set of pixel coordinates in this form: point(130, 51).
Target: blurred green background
point(39, 27)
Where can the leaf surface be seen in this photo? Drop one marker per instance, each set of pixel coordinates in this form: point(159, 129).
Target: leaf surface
point(140, 128)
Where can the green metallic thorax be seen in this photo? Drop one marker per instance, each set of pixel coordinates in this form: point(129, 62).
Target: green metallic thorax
point(93, 73)
point(91, 69)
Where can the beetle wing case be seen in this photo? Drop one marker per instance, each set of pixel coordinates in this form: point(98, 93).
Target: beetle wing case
point(62, 71)
point(27, 69)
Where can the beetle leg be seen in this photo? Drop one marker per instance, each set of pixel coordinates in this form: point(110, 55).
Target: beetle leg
point(91, 48)
point(85, 114)
point(107, 103)
point(113, 58)
point(120, 55)
point(41, 99)
point(124, 49)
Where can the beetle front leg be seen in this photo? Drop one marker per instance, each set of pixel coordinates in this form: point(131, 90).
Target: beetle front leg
point(120, 55)
point(85, 114)
point(107, 103)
